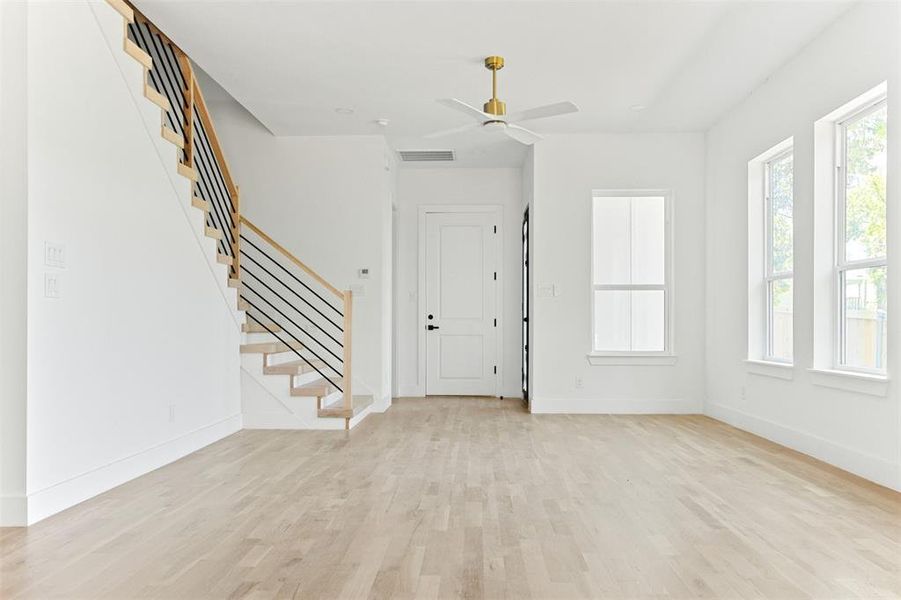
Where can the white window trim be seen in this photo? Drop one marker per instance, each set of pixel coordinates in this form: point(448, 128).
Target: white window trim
point(769, 276)
point(667, 356)
point(768, 368)
point(841, 265)
point(759, 253)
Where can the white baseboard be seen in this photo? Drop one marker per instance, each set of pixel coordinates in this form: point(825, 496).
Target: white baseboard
point(58, 497)
point(607, 406)
point(409, 391)
point(870, 467)
point(13, 511)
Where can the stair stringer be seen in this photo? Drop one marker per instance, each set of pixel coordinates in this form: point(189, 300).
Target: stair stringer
point(113, 26)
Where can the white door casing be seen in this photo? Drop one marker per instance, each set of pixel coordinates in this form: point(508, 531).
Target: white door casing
point(460, 292)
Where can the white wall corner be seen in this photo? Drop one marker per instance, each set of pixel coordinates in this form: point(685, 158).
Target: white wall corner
point(382, 404)
point(13, 510)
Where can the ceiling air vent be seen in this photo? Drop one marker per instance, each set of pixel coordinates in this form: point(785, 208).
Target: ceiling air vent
point(426, 155)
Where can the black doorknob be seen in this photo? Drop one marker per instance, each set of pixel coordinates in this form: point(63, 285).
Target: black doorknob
point(431, 327)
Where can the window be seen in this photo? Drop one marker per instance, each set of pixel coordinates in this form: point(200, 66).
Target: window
point(860, 248)
point(630, 285)
point(771, 261)
point(779, 259)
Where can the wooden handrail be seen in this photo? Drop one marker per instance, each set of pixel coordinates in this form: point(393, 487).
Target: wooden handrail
point(204, 115)
point(188, 73)
point(309, 271)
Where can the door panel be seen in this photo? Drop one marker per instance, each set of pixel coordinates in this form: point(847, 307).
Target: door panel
point(461, 300)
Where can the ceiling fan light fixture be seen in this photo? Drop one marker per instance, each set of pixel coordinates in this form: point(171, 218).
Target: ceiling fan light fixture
point(494, 125)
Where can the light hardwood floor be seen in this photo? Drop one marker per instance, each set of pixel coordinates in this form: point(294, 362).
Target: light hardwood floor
point(474, 498)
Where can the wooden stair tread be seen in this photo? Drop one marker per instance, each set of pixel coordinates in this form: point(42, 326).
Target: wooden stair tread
point(186, 171)
point(254, 327)
point(213, 233)
point(156, 97)
point(222, 259)
point(234, 283)
point(172, 137)
point(294, 367)
point(318, 388)
point(337, 410)
point(269, 347)
point(200, 203)
point(135, 51)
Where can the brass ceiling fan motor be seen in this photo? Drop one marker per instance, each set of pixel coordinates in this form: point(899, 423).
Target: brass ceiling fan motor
point(495, 106)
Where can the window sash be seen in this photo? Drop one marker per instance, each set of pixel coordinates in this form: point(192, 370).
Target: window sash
point(665, 287)
point(769, 317)
point(842, 265)
point(768, 213)
point(770, 275)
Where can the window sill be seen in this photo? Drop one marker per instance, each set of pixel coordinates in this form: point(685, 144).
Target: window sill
point(770, 368)
point(631, 359)
point(862, 383)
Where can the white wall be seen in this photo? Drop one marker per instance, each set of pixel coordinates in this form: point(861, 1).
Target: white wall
point(328, 201)
point(566, 170)
point(417, 187)
point(855, 431)
point(13, 246)
point(136, 364)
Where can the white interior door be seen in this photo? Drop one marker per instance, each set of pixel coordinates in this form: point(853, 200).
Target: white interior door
point(461, 304)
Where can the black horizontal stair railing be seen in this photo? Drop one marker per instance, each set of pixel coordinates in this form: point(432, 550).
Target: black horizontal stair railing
point(277, 295)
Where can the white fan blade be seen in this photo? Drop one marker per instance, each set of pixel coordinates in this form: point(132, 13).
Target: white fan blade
point(461, 106)
point(549, 110)
point(447, 132)
point(521, 134)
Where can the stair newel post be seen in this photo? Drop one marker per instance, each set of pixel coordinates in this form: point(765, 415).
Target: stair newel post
point(348, 372)
point(236, 233)
point(188, 74)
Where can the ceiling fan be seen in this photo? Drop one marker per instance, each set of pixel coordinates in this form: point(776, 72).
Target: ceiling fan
point(494, 114)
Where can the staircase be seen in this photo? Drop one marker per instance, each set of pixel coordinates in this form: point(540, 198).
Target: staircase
point(297, 326)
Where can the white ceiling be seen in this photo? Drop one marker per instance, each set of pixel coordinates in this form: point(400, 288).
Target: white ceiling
point(292, 63)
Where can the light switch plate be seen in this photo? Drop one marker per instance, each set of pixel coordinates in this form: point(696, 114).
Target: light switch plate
point(363, 273)
point(55, 255)
point(52, 285)
point(547, 290)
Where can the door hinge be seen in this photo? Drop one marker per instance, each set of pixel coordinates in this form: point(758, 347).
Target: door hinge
point(495, 229)
point(495, 275)
point(495, 369)
point(495, 322)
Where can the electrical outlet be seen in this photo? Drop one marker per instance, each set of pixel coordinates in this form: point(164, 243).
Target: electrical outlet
point(52, 285)
point(578, 383)
point(172, 413)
